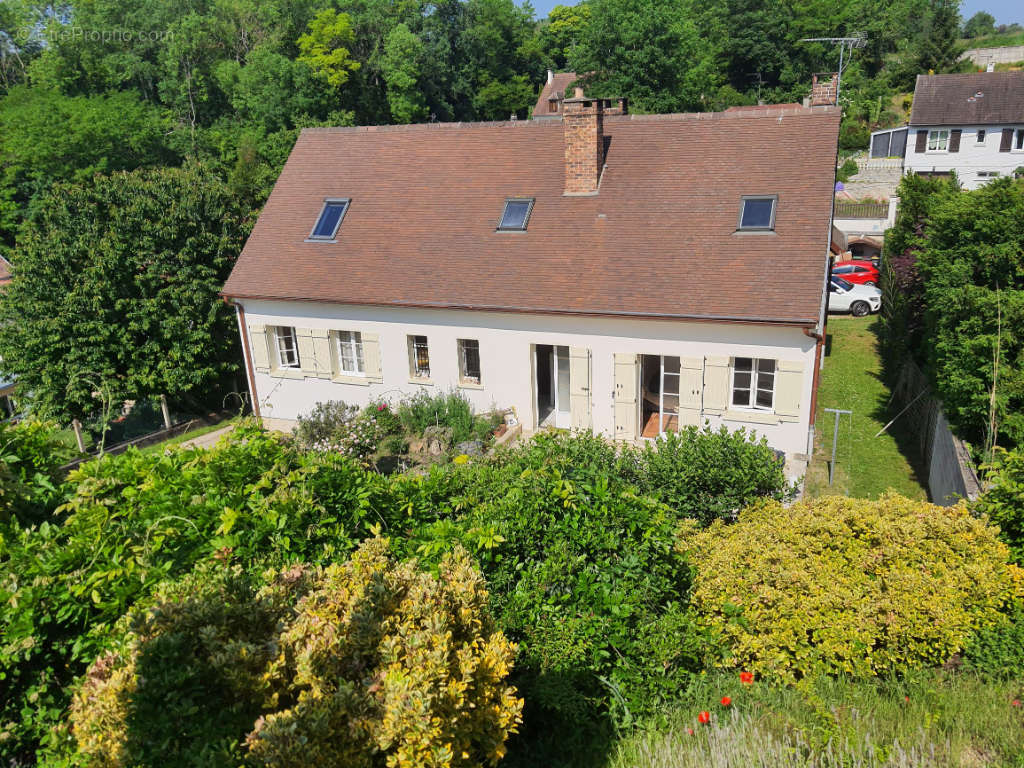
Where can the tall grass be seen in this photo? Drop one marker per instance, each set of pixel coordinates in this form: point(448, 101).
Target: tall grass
point(445, 409)
point(926, 720)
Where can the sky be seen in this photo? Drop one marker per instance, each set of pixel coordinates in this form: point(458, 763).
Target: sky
point(1005, 11)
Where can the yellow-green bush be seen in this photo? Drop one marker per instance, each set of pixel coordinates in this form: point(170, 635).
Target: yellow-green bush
point(387, 662)
point(363, 664)
point(847, 586)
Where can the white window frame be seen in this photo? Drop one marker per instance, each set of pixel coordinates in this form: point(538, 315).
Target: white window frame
point(941, 140)
point(417, 371)
point(755, 384)
point(286, 347)
point(526, 220)
point(981, 136)
point(350, 345)
point(464, 376)
point(1017, 144)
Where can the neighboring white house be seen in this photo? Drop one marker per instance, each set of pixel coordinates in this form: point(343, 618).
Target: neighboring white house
point(972, 124)
point(626, 274)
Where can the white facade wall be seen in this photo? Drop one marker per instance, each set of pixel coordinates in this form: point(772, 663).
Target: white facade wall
point(974, 156)
point(506, 341)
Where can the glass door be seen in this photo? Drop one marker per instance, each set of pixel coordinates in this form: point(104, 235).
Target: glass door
point(560, 370)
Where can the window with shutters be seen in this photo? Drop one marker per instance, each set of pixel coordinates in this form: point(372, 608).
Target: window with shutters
point(419, 357)
point(286, 344)
point(469, 361)
point(753, 384)
point(938, 140)
point(350, 353)
point(981, 136)
point(1018, 140)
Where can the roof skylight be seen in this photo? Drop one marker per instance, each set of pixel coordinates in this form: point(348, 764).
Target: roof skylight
point(330, 219)
point(516, 214)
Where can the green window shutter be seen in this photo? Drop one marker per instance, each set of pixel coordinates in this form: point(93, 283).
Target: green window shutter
point(371, 357)
point(789, 387)
point(716, 385)
point(625, 397)
point(579, 388)
point(260, 348)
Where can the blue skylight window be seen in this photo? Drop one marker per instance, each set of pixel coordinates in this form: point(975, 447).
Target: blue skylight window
point(330, 219)
point(516, 214)
point(758, 212)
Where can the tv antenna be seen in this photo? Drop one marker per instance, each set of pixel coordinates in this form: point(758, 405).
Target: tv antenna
point(846, 46)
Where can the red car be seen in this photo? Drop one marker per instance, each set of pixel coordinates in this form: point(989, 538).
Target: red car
point(860, 272)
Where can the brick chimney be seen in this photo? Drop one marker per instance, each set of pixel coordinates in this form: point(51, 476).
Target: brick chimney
point(583, 130)
point(824, 88)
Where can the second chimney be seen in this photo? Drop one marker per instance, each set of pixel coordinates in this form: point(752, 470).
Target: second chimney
point(824, 88)
point(583, 131)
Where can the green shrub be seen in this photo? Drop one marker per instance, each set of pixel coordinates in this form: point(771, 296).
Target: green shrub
point(31, 453)
point(854, 134)
point(368, 663)
point(1003, 500)
point(445, 409)
point(709, 474)
point(847, 169)
point(845, 586)
point(326, 421)
point(135, 520)
point(997, 651)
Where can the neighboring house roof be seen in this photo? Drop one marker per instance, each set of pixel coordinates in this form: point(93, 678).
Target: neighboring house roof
point(554, 87)
point(659, 239)
point(981, 98)
point(752, 107)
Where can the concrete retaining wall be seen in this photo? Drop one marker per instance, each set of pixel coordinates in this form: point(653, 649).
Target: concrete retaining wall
point(1008, 54)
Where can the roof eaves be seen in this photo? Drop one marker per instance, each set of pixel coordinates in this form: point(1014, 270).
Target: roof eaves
point(741, 319)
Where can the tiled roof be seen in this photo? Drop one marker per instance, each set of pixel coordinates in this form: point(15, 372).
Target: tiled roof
point(955, 99)
point(559, 82)
point(659, 239)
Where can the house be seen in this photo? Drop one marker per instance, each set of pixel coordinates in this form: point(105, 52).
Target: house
point(622, 273)
point(971, 123)
point(549, 100)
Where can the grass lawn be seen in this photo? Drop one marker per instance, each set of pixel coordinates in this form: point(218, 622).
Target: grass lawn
point(866, 466)
point(928, 720)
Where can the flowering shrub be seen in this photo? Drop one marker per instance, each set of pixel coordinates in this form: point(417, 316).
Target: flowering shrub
point(848, 586)
point(335, 427)
point(365, 663)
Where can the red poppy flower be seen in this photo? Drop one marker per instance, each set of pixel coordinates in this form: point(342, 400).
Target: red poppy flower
point(746, 677)
point(726, 701)
point(704, 717)
point(690, 731)
point(906, 698)
point(1015, 703)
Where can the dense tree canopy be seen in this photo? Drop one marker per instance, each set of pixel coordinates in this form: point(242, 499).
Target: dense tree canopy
point(116, 289)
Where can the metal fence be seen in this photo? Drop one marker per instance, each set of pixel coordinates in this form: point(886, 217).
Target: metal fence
point(853, 210)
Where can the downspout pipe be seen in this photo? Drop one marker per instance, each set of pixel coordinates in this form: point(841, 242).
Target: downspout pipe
point(250, 374)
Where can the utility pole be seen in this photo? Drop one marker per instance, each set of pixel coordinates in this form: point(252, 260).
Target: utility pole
point(835, 436)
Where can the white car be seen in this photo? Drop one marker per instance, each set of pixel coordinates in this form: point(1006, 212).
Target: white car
point(858, 300)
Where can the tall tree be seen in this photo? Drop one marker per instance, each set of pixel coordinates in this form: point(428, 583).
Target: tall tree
point(116, 283)
point(402, 65)
point(980, 24)
point(649, 50)
point(938, 49)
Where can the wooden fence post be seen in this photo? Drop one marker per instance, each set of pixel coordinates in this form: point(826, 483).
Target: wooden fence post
point(166, 411)
point(77, 426)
